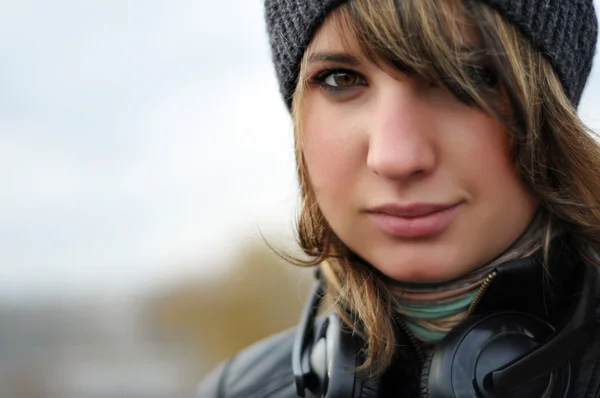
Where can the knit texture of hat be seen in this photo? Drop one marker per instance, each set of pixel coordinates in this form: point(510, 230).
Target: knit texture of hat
point(565, 31)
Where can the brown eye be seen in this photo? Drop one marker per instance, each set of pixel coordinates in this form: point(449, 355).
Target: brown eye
point(342, 79)
point(338, 81)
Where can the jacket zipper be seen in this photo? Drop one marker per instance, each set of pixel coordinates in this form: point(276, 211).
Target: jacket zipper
point(482, 289)
point(413, 340)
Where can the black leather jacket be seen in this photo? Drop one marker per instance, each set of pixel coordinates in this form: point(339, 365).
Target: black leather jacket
point(265, 369)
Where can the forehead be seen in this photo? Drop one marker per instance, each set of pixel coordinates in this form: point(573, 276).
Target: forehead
point(338, 31)
point(334, 35)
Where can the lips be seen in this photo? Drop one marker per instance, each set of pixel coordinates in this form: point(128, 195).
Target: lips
point(411, 211)
point(415, 220)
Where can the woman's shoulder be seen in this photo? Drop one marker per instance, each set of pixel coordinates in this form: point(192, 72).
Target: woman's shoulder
point(263, 369)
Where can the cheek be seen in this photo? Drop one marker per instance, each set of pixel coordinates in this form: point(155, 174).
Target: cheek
point(481, 151)
point(492, 178)
point(332, 152)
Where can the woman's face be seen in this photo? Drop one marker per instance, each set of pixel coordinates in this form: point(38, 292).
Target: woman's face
point(412, 180)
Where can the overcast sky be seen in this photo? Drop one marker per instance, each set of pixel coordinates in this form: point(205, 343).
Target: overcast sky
point(140, 140)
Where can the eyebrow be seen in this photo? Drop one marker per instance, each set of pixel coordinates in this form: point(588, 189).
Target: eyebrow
point(341, 58)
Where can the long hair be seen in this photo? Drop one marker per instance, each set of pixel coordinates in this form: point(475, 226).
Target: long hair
point(555, 154)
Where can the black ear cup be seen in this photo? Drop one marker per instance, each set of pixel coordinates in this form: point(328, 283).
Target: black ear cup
point(343, 348)
point(367, 388)
point(342, 354)
point(459, 363)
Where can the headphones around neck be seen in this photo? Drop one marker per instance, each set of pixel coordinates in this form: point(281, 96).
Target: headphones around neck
point(504, 354)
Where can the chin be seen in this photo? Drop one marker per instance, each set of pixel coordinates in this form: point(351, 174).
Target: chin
point(420, 274)
point(422, 267)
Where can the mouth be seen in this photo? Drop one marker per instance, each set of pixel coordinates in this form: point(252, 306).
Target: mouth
point(412, 210)
point(413, 221)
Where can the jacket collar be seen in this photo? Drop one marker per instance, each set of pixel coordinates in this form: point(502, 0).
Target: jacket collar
point(528, 285)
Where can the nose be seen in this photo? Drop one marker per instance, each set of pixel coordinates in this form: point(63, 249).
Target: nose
point(400, 132)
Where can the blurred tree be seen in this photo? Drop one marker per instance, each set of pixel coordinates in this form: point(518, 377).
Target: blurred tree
point(260, 296)
point(25, 383)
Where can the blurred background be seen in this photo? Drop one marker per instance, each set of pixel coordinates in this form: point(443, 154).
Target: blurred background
point(144, 154)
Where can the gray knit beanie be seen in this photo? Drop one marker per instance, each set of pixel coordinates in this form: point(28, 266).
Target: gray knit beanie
point(563, 30)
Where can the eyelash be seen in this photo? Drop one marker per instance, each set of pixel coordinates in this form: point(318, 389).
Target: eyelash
point(319, 79)
point(481, 76)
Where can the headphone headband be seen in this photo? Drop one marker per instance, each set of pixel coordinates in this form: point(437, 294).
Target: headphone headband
point(548, 354)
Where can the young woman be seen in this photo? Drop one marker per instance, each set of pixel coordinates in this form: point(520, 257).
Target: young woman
point(450, 201)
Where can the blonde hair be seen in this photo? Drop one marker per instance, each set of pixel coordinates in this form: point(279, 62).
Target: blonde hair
point(554, 152)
